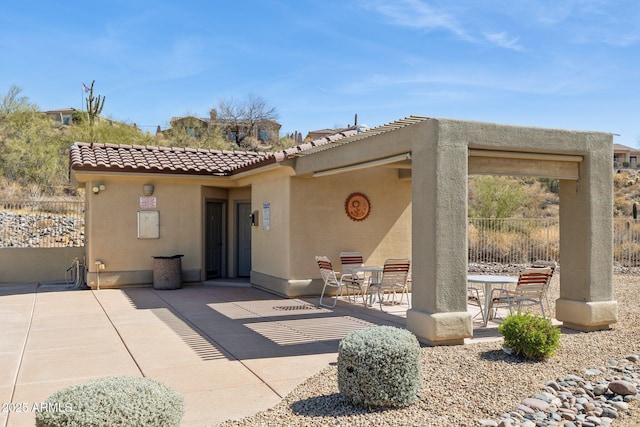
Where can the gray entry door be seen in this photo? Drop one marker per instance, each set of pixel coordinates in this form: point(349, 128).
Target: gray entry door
point(243, 221)
point(214, 246)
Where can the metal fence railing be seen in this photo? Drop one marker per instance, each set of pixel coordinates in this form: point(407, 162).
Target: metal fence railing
point(626, 242)
point(41, 224)
point(522, 241)
point(513, 240)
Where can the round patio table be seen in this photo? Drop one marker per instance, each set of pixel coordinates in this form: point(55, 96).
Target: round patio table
point(489, 280)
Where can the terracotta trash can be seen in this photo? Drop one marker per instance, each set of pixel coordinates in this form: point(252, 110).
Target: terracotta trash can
point(167, 272)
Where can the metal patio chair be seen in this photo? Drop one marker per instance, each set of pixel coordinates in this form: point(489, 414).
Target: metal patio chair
point(394, 279)
point(351, 262)
point(330, 278)
point(529, 291)
point(551, 265)
point(475, 297)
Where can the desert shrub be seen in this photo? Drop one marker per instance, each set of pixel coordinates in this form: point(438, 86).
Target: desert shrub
point(495, 196)
point(531, 336)
point(379, 367)
point(112, 401)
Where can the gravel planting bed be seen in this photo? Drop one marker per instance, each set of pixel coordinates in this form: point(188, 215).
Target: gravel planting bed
point(474, 384)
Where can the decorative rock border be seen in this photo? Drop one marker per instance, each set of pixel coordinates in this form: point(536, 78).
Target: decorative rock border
point(595, 399)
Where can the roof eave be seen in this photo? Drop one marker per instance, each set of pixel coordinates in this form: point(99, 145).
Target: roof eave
point(152, 170)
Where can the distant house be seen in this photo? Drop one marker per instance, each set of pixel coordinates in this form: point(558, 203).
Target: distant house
point(265, 131)
point(62, 115)
point(625, 157)
point(193, 126)
point(323, 133)
point(65, 117)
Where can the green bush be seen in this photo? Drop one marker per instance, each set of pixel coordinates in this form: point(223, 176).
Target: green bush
point(379, 367)
point(531, 336)
point(112, 401)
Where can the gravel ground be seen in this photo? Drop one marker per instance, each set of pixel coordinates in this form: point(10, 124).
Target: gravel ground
point(465, 384)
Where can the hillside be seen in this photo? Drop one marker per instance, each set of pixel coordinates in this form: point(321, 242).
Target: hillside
point(34, 148)
point(626, 192)
point(541, 195)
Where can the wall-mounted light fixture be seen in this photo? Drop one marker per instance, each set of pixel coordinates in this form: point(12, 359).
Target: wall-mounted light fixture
point(147, 189)
point(98, 188)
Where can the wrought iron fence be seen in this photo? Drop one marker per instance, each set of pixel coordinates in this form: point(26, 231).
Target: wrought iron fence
point(513, 240)
point(626, 242)
point(41, 224)
point(522, 241)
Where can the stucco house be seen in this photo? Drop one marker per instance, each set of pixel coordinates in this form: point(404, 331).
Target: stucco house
point(62, 115)
point(323, 133)
point(625, 157)
point(65, 117)
point(266, 216)
point(263, 131)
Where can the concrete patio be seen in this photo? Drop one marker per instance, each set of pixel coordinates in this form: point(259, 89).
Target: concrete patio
point(229, 349)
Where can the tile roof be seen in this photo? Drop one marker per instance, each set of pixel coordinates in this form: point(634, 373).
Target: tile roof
point(620, 147)
point(170, 160)
point(346, 137)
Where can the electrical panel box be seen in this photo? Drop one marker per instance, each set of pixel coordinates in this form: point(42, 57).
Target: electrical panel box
point(148, 224)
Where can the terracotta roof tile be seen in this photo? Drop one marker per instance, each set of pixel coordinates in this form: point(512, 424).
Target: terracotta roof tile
point(345, 137)
point(325, 140)
point(176, 160)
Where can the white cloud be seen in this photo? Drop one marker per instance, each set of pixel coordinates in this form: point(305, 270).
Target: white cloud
point(422, 15)
point(468, 80)
point(589, 21)
point(503, 40)
point(418, 14)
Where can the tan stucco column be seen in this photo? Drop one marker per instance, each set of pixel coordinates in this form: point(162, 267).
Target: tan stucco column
point(586, 242)
point(438, 313)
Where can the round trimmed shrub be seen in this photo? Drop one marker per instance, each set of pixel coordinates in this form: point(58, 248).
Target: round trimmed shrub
point(379, 367)
point(112, 401)
point(529, 335)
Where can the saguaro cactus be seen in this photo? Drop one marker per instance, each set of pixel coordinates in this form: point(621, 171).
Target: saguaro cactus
point(94, 105)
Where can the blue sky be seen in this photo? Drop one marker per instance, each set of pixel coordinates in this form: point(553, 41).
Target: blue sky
point(571, 64)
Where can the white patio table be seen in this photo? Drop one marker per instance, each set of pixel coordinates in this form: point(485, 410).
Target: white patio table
point(489, 280)
point(375, 272)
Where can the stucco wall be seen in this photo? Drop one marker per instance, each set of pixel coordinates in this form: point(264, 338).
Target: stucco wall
point(270, 248)
point(30, 265)
point(317, 224)
point(320, 225)
point(112, 229)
